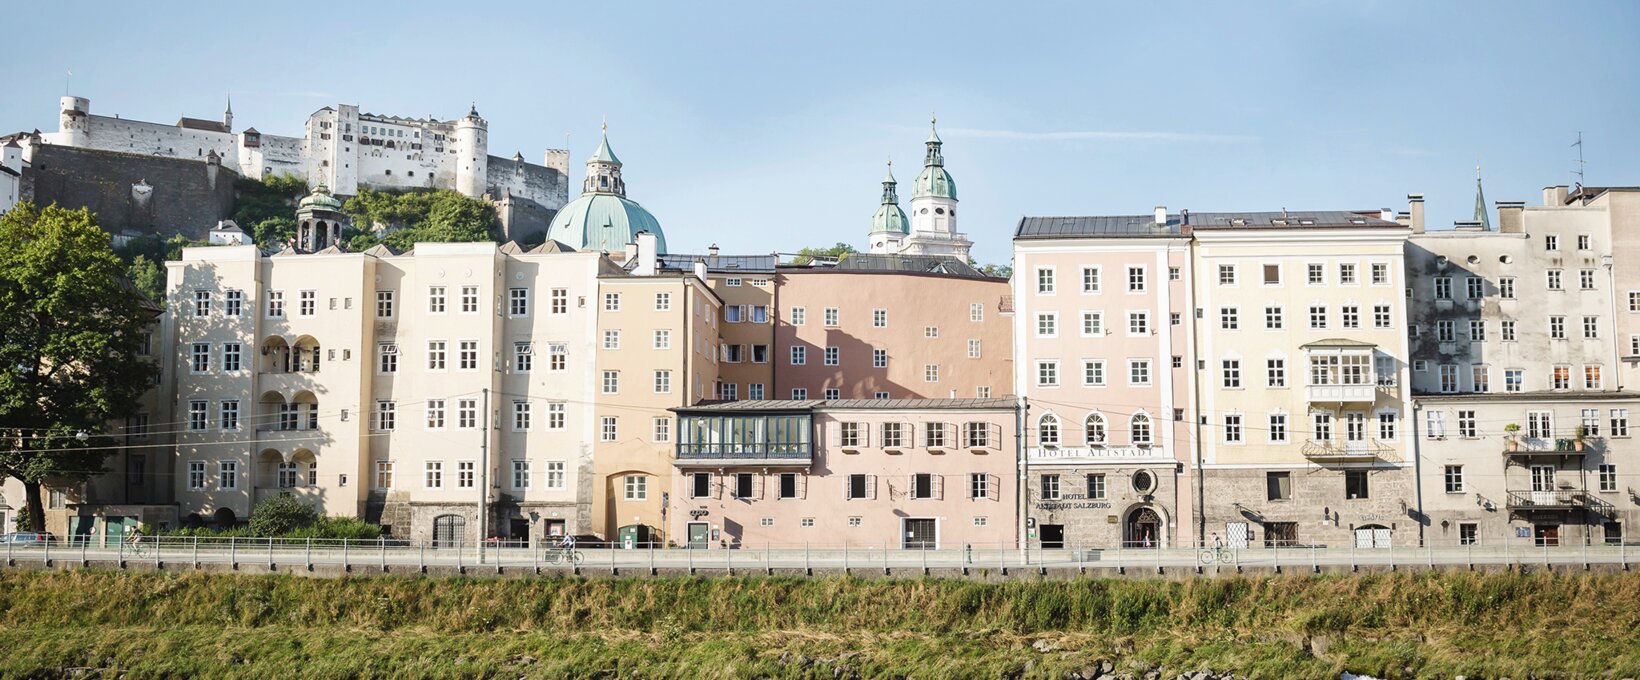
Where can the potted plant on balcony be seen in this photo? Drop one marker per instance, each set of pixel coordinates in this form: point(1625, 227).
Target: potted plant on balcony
point(1578, 434)
point(1512, 434)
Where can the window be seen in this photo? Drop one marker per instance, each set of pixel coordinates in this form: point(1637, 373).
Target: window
point(1094, 430)
point(1229, 318)
point(831, 316)
point(1551, 242)
point(1466, 424)
point(1589, 419)
point(1381, 316)
point(1174, 274)
point(1136, 279)
point(200, 358)
point(608, 428)
point(1044, 280)
point(663, 302)
point(637, 487)
point(555, 415)
point(1540, 424)
point(1138, 323)
point(922, 486)
point(521, 415)
point(1386, 426)
point(1272, 275)
point(467, 355)
point(612, 339)
point(612, 382)
point(1316, 273)
point(1477, 330)
point(1449, 378)
point(1591, 327)
point(1591, 377)
point(1608, 477)
point(386, 415)
point(1272, 318)
point(612, 302)
point(931, 331)
point(1093, 372)
point(800, 356)
point(1454, 478)
point(663, 381)
point(435, 355)
point(760, 354)
point(1047, 430)
point(229, 411)
point(1474, 287)
point(857, 486)
point(198, 415)
point(1480, 378)
point(1047, 373)
point(1585, 279)
point(934, 435)
point(196, 475)
point(231, 356)
point(434, 475)
point(467, 413)
point(1443, 288)
point(384, 474)
point(435, 414)
point(435, 299)
point(850, 435)
point(1557, 327)
point(560, 301)
point(522, 358)
point(663, 339)
point(233, 303)
point(518, 301)
point(931, 373)
point(976, 435)
point(1512, 378)
point(1049, 487)
point(1096, 487)
point(1227, 275)
point(979, 486)
point(1444, 331)
point(976, 312)
point(879, 318)
point(1278, 428)
point(974, 349)
point(276, 304)
point(1346, 274)
point(1232, 428)
point(1506, 330)
point(1090, 280)
point(1355, 484)
point(1318, 316)
point(1506, 287)
point(786, 485)
point(1278, 486)
point(1349, 316)
point(1138, 372)
point(202, 303)
point(305, 303)
point(879, 358)
point(1321, 426)
point(1620, 422)
point(1562, 378)
point(800, 393)
point(1380, 274)
point(732, 282)
point(754, 391)
point(1553, 276)
point(1231, 373)
point(520, 474)
point(832, 356)
point(732, 313)
point(557, 356)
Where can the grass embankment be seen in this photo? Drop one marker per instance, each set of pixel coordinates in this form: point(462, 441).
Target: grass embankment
point(1397, 625)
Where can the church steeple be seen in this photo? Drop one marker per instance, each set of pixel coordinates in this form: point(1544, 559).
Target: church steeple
point(604, 170)
point(890, 196)
point(1481, 215)
point(227, 116)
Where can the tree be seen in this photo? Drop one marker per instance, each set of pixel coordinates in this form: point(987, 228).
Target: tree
point(836, 252)
point(68, 347)
point(1001, 271)
point(411, 217)
point(147, 276)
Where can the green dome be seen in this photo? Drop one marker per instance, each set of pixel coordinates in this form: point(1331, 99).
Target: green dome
point(936, 182)
point(320, 199)
point(890, 219)
point(603, 222)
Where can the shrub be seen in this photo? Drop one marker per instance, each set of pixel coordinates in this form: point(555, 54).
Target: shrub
point(281, 515)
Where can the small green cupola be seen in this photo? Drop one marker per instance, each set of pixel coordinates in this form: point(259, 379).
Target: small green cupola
point(890, 218)
point(934, 181)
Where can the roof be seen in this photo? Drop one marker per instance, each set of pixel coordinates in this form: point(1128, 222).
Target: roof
point(936, 182)
point(1113, 226)
point(921, 264)
point(1337, 342)
point(1140, 226)
point(1283, 219)
point(604, 154)
point(202, 124)
point(603, 222)
point(787, 405)
point(1540, 396)
point(720, 263)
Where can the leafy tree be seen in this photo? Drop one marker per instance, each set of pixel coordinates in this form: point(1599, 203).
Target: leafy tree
point(274, 230)
point(68, 347)
point(147, 276)
point(836, 252)
point(438, 216)
point(281, 515)
point(998, 270)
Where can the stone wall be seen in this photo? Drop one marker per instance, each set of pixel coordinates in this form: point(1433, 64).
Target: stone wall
point(182, 196)
point(1238, 495)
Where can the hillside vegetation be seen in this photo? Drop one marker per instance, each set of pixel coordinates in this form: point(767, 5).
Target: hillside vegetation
point(1389, 626)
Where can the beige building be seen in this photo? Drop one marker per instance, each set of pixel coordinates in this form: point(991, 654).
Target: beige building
point(1300, 363)
point(363, 383)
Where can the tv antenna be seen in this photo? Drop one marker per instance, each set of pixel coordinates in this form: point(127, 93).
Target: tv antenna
point(1580, 165)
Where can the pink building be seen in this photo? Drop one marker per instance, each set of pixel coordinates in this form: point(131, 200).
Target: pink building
point(906, 473)
point(1103, 357)
point(891, 327)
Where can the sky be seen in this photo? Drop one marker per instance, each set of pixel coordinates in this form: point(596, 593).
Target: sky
point(764, 126)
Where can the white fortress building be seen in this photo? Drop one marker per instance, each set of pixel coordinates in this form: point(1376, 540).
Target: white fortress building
point(346, 150)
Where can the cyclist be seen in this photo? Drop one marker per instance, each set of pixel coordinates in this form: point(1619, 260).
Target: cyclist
point(134, 538)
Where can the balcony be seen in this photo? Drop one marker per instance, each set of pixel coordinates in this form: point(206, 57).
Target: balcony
point(1558, 500)
point(1523, 447)
point(1365, 451)
point(1005, 305)
point(745, 438)
point(1341, 394)
point(721, 455)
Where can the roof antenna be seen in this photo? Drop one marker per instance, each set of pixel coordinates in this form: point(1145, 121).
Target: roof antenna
point(1579, 171)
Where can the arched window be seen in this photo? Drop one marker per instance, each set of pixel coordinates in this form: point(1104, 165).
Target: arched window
point(1095, 428)
point(1047, 431)
point(1139, 426)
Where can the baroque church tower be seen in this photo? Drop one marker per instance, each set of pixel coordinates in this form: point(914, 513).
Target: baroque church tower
point(933, 224)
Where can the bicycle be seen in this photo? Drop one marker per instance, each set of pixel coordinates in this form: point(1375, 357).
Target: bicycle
point(135, 547)
point(1220, 555)
point(564, 556)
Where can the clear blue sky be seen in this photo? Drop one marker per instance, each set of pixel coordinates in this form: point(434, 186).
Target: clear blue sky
point(763, 126)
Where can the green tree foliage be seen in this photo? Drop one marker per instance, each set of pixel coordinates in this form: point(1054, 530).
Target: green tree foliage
point(148, 277)
point(438, 216)
point(836, 252)
point(68, 347)
point(274, 230)
point(265, 209)
point(281, 515)
point(1001, 271)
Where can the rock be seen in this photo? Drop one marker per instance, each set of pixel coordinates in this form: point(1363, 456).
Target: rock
point(1044, 646)
point(1029, 665)
point(1319, 645)
point(1105, 666)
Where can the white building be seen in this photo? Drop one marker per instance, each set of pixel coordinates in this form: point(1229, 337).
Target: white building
point(11, 175)
point(932, 228)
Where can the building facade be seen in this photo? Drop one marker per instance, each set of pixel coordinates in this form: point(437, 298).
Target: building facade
point(901, 473)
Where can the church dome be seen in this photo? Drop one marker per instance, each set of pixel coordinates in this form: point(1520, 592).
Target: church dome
point(320, 199)
point(934, 181)
point(603, 222)
point(890, 219)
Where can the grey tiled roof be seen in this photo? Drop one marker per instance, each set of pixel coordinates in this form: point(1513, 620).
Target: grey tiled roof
point(1143, 226)
point(1115, 226)
point(719, 263)
point(1289, 218)
point(919, 264)
point(846, 404)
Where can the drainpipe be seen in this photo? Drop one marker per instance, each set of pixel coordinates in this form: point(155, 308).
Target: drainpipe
point(1617, 351)
point(1024, 477)
point(1417, 472)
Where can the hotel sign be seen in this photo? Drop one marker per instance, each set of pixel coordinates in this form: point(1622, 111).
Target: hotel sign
point(1099, 454)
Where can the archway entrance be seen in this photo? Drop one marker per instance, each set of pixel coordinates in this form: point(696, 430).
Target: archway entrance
point(1142, 529)
point(449, 530)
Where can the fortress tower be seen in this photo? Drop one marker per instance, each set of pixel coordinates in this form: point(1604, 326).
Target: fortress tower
point(472, 154)
point(74, 122)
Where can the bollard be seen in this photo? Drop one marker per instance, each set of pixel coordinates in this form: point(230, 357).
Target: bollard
point(885, 558)
point(83, 544)
point(270, 554)
point(808, 570)
point(345, 566)
point(768, 566)
point(307, 554)
point(45, 557)
point(924, 552)
point(196, 551)
point(383, 543)
point(1314, 567)
point(1353, 566)
point(729, 561)
point(158, 546)
point(845, 558)
point(1081, 557)
point(421, 557)
point(690, 552)
point(459, 549)
point(652, 571)
point(121, 551)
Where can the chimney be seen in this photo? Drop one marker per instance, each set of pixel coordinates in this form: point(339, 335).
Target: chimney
point(1161, 215)
point(712, 250)
point(700, 270)
point(1511, 217)
point(629, 252)
point(646, 254)
point(1386, 214)
point(1415, 206)
point(1555, 195)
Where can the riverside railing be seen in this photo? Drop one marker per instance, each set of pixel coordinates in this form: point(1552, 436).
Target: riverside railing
point(389, 555)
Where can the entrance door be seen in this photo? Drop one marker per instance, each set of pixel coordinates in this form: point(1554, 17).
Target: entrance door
point(1546, 534)
point(115, 528)
point(919, 534)
point(1143, 529)
point(1053, 536)
point(1372, 536)
point(1543, 485)
point(698, 535)
point(518, 530)
point(1614, 532)
point(1235, 535)
point(449, 530)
